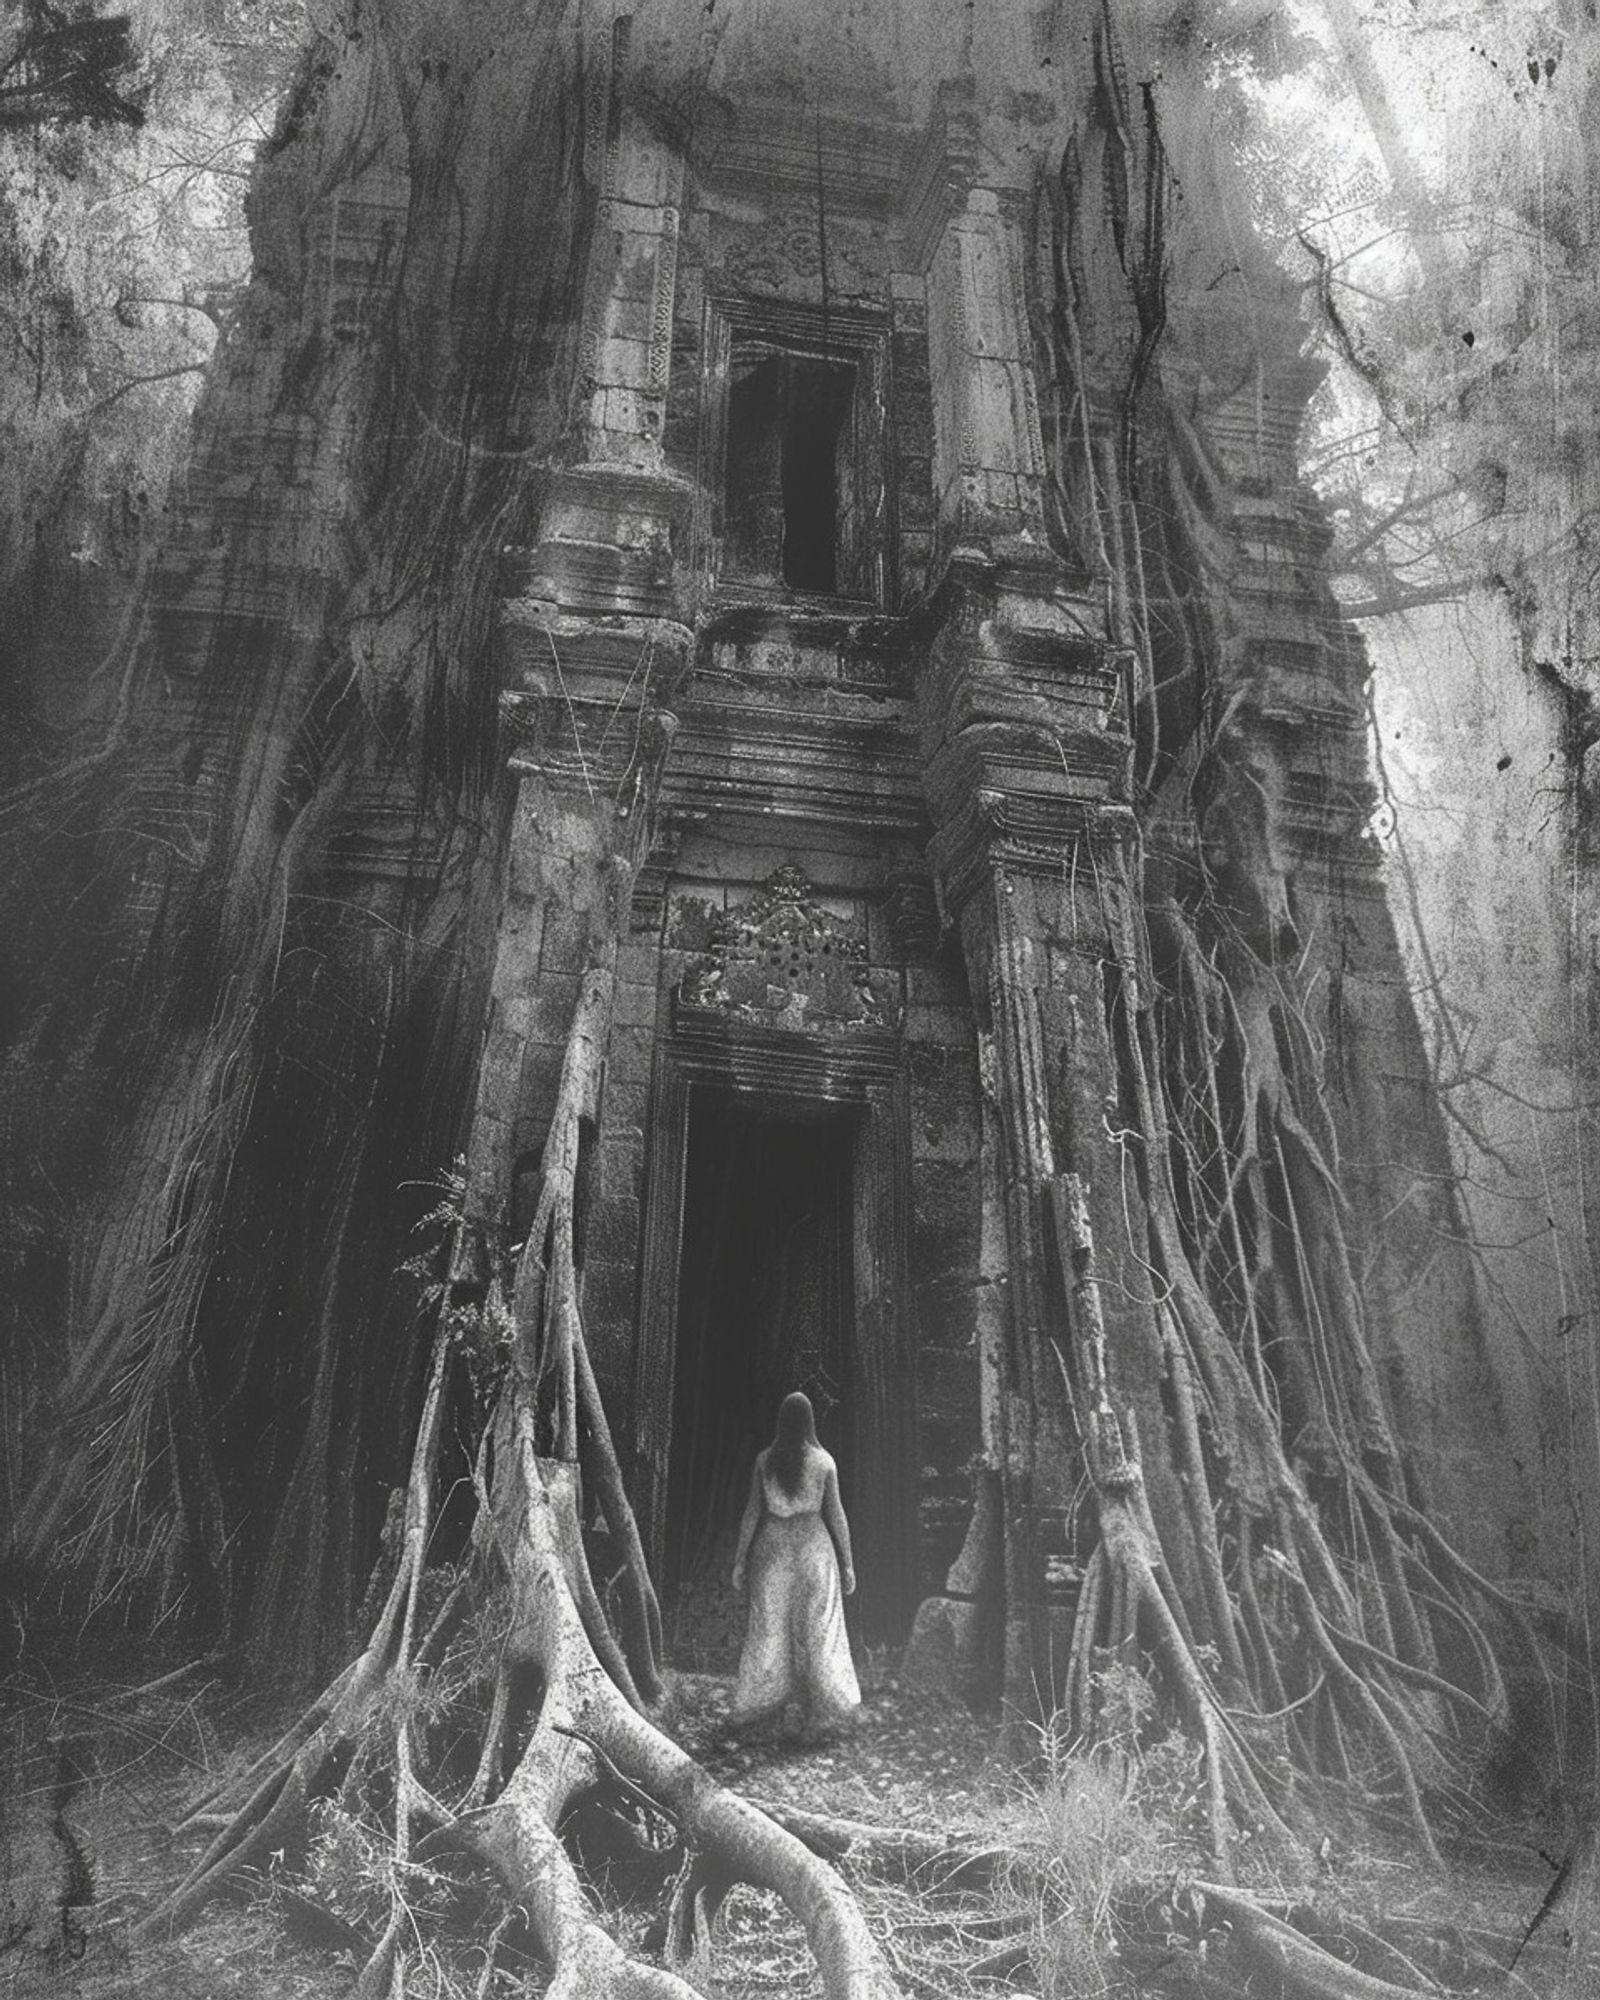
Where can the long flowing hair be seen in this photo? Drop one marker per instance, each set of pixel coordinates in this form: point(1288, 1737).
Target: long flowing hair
point(797, 1427)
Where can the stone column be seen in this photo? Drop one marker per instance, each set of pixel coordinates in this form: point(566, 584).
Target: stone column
point(627, 336)
point(579, 832)
point(1022, 720)
point(988, 451)
point(1024, 753)
point(593, 645)
point(611, 510)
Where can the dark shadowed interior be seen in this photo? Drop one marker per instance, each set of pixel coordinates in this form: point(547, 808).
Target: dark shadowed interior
point(765, 1303)
point(787, 417)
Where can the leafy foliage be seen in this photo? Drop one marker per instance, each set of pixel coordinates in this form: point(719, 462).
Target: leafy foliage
point(475, 1311)
point(124, 162)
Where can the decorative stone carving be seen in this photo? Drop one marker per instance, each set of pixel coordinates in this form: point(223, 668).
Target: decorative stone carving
point(785, 962)
point(597, 106)
point(666, 272)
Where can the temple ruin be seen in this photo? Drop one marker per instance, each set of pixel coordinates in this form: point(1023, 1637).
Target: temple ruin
point(807, 552)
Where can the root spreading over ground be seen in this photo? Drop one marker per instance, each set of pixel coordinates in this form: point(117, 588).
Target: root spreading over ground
point(494, 1701)
point(563, 1711)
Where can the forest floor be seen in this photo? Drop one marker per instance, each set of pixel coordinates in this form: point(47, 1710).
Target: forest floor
point(1102, 1907)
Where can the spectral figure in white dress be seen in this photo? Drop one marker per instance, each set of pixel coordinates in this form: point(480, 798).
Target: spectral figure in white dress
point(795, 1647)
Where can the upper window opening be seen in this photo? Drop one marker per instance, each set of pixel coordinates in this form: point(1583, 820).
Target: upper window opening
point(794, 473)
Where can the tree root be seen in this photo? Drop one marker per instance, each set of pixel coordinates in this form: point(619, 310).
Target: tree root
point(1289, 1963)
point(1005, 1962)
point(566, 1711)
point(1124, 1585)
point(1332, 1646)
point(1234, 1783)
point(929, 1862)
point(585, 1725)
point(582, 1706)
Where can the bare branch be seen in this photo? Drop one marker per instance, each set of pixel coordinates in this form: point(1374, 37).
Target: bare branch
point(141, 382)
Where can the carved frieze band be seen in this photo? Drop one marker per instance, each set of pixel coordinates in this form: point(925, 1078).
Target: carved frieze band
point(596, 106)
point(666, 272)
point(992, 837)
point(621, 36)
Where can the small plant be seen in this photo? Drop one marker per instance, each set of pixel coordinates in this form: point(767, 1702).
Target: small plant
point(349, 1864)
point(1108, 1821)
point(462, 1283)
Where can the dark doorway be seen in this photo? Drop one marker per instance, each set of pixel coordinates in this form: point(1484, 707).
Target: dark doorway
point(766, 1304)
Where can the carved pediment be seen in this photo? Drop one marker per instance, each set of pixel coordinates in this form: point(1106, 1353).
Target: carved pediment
point(786, 962)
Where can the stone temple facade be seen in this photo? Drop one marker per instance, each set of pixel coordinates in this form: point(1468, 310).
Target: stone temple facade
point(807, 514)
point(773, 465)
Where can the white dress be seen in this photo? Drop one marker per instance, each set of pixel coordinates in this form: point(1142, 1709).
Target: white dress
point(796, 1647)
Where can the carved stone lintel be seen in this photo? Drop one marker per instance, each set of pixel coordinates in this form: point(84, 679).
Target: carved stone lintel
point(786, 962)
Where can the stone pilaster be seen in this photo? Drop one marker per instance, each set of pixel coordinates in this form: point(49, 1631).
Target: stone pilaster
point(593, 646)
point(580, 830)
point(627, 336)
point(988, 452)
point(1023, 733)
point(612, 512)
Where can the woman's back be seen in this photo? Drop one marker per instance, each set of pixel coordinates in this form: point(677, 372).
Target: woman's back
point(797, 1544)
point(815, 1465)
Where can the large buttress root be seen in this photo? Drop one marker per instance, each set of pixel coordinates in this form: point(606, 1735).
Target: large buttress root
point(567, 1708)
point(1124, 1601)
point(1303, 1616)
point(1287, 1647)
point(266, 1805)
point(583, 1712)
point(1285, 1960)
